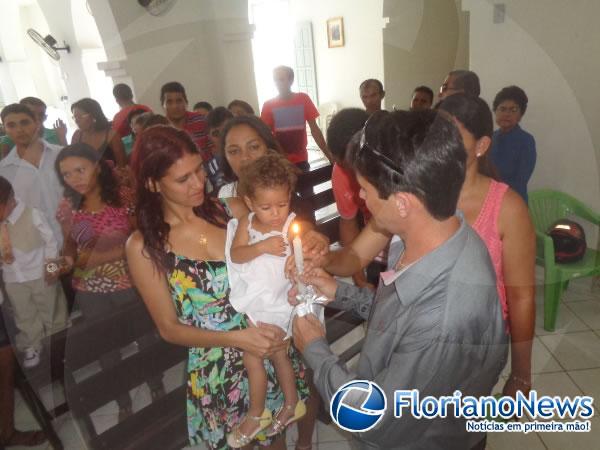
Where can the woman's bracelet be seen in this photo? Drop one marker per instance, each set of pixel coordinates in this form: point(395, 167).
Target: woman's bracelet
point(520, 381)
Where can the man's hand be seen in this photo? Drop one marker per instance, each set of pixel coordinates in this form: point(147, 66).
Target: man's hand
point(307, 329)
point(314, 244)
point(324, 284)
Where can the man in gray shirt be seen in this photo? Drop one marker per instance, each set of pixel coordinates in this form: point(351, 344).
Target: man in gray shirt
point(435, 323)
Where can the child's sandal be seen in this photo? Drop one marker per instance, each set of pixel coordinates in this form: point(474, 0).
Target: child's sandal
point(237, 439)
point(278, 426)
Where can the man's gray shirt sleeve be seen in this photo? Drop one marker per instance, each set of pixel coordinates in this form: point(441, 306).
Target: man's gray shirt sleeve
point(352, 298)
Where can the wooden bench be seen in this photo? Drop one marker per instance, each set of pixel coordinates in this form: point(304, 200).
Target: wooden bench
point(49, 371)
point(30, 381)
point(159, 425)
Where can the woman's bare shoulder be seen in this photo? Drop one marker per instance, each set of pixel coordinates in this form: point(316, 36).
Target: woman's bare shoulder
point(135, 243)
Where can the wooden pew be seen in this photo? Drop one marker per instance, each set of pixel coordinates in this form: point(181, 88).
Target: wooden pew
point(49, 371)
point(159, 425)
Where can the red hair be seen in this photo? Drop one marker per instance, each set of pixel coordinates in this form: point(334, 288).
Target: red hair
point(156, 150)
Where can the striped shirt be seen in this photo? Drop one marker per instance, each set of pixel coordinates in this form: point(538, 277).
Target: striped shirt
point(195, 125)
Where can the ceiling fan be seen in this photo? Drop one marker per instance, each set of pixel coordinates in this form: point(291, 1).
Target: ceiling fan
point(157, 7)
point(48, 43)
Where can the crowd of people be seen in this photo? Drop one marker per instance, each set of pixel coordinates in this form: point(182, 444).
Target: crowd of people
point(191, 213)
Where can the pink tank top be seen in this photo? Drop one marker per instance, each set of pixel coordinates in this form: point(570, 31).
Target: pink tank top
point(486, 226)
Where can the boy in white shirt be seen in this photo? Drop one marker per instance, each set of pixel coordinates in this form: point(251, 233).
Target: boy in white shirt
point(28, 247)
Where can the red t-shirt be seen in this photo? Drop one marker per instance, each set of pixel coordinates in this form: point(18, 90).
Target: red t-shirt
point(287, 118)
point(195, 125)
point(346, 192)
point(120, 123)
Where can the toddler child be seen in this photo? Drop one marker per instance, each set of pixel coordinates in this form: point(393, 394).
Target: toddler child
point(256, 251)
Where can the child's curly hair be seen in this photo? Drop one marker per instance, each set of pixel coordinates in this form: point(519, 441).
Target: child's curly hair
point(269, 171)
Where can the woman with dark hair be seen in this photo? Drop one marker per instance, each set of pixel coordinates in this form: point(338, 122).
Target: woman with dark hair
point(96, 216)
point(177, 260)
point(243, 139)
point(240, 108)
point(513, 149)
point(94, 129)
point(501, 219)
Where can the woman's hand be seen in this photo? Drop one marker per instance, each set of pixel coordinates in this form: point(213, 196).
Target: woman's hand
point(262, 340)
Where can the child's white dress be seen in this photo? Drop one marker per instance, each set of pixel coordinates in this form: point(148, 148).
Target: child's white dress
point(259, 287)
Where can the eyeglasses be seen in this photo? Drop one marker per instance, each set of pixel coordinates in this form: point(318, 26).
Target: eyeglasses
point(384, 159)
point(80, 116)
point(508, 109)
point(445, 87)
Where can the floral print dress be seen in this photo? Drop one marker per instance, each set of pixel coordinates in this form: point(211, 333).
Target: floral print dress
point(217, 392)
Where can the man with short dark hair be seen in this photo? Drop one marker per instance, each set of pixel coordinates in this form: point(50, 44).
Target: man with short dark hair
point(287, 115)
point(460, 82)
point(371, 94)
point(353, 212)
point(124, 98)
point(55, 136)
point(30, 164)
point(422, 99)
point(203, 108)
point(435, 324)
point(174, 102)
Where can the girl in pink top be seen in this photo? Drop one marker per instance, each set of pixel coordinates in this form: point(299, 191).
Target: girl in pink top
point(501, 219)
point(96, 216)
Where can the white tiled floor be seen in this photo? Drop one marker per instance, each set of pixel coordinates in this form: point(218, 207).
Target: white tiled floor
point(565, 362)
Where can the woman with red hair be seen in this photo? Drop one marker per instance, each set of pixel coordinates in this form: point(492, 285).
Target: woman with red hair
point(177, 261)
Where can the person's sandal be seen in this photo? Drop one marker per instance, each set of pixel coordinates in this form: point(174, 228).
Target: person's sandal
point(237, 439)
point(278, 426)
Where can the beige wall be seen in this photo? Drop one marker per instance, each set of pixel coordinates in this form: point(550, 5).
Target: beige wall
point(422, 42)
point(205, 45)
point(341, 70)
point(551, 50)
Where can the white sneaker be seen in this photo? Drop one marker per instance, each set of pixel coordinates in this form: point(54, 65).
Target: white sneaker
point(31, 358)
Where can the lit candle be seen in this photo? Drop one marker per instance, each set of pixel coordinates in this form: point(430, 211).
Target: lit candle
point(298, 257)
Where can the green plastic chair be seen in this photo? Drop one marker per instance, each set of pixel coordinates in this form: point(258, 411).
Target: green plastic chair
point(546, 207)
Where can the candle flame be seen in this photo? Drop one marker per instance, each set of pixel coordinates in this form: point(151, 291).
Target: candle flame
point(296, 228)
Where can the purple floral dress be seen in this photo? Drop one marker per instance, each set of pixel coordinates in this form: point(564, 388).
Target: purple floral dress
point(217, 393)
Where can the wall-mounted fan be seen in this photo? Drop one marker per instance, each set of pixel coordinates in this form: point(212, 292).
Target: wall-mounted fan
point(48, 43)
point(157, 7)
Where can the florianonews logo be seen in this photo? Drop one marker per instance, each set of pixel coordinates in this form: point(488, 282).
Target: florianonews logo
point(358, 405)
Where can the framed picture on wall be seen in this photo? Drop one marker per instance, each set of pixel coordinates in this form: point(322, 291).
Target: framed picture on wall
point(335, 32)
